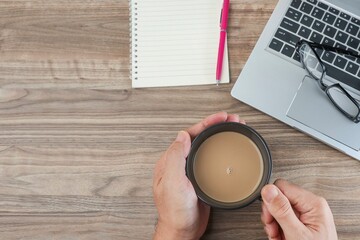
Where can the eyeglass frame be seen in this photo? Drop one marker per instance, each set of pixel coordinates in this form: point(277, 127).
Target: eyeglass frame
point(323, 86)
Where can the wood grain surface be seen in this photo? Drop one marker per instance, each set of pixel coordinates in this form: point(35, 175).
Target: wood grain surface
point(78, 145)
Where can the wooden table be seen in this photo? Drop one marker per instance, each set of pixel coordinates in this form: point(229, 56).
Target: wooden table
point(78, 145)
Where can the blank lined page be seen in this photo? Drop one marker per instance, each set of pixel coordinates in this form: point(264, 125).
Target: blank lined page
point(175, 42)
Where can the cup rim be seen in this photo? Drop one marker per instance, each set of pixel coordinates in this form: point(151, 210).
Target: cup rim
point(252, 135)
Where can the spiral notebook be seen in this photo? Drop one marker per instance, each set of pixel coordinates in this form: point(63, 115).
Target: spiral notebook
point(175, 42)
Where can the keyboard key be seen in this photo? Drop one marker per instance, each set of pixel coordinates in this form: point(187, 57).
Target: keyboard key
point(296, 3)
point(316, 37)
point(329, 18)
point(306, 7)
point(352, 68)
point(328, 42)
point(340, 23)
point(329, 31)
point(353, 42)
point(340, 62)
point(334, 11)
point(323, 6)
point(296, 57)
point(276, 45)
point(341, 37)
point(307, 20)
point(345, 16)
point(312, 1)
point(293, 14)
point(319, 51)
point(354, 52)
point(287, 37)
point(318, 26)
point(317, 13)
point(288, 50)
point(304, 32)
point(355, 21)
point(328, 57)
point(290, 25)
point(350, 57)
point(342, 76)
point(339, 45)
point(352, 29)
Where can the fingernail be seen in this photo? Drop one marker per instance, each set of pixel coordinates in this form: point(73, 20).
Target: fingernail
point(269, 193)
point(181, 137)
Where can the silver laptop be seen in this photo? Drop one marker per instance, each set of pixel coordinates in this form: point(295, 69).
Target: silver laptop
point(275, 81)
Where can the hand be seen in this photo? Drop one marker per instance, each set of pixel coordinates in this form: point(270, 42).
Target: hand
point(181, 214)
point(290, 212)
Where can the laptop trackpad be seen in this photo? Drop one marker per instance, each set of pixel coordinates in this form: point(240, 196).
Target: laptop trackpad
point(312, 107)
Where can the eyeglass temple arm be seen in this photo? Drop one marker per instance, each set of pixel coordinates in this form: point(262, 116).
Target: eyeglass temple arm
point(334, 49)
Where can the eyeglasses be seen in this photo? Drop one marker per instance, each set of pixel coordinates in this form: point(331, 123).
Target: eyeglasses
point(316, 68)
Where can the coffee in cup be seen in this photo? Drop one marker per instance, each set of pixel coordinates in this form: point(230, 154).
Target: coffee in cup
point(228, 164)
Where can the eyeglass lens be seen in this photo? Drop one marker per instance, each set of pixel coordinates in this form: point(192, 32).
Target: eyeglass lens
point(310, 61)
point(339, 98)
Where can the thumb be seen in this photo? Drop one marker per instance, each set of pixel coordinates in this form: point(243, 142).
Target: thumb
point(177, 153)
point(280, 208)
point(182, 144)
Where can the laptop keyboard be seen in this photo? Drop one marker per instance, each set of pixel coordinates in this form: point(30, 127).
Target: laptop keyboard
point(317, 22)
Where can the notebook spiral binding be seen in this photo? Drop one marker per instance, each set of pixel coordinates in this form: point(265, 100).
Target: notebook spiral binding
point(133, 38)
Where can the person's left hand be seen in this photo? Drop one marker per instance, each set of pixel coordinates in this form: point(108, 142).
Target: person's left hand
point(181, 214)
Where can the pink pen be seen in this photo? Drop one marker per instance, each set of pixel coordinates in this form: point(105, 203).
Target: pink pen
point(223, 26)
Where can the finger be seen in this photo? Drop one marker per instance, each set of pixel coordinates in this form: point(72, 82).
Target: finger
point(175, 156)
point(204, 211)
point(301, 199)
point(271, 227)
point(273, 232)
point(280, 208)
point(233, 118)
point(242, 121)
point(266, 217)
point(207, 122)
point(158, 170)
point(179, 149)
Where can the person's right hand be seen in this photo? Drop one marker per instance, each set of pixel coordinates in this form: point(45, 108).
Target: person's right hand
point(290, 212)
